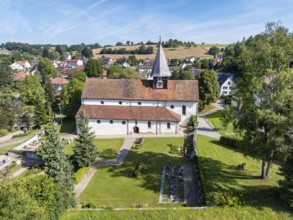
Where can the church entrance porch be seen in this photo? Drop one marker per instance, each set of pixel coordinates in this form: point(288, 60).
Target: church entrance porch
point(136, 130)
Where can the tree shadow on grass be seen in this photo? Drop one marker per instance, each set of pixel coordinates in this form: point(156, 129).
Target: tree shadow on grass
point(68, 125)
point(152, 165)
point(108, 153)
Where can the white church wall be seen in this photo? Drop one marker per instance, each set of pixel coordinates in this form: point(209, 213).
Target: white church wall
point(191, 109)
point(106, 128)
point(142, 127)
point(165, 130)
point(106, 102)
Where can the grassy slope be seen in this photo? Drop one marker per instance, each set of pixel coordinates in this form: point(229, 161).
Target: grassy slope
point(269, 210)
point(214, 119)
point(6, 148)
point(219, 167)
point(171, 53)
point(111, 187)
point(108, 148)
point(207, 108)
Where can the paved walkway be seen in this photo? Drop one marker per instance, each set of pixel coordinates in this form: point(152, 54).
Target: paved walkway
point(17, 141)
point(206, 129)
point(80, 187)
point(9, 136)
point(189, 186)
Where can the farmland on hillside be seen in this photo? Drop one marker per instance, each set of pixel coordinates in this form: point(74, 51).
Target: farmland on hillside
point(171, 53)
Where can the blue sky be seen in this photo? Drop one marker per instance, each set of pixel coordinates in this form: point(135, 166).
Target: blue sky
point(110, 21)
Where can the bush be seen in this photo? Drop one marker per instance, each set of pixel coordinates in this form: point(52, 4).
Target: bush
point(236, 197)
point(88, 205)
point(3, 132)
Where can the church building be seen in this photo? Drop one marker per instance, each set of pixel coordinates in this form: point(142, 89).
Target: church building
point(127, 106)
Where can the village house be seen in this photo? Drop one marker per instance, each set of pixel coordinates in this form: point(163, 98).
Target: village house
point(20, 65)
point(127, 106)
point(226, 81)
point(75, 62)
point(58, 82)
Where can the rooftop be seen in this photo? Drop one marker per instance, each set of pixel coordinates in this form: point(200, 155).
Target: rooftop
point(130, 89)
point(144, 113)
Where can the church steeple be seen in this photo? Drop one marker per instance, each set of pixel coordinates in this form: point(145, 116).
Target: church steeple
point(160, 71)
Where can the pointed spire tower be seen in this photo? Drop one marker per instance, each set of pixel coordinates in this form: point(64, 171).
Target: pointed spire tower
point(160, 71)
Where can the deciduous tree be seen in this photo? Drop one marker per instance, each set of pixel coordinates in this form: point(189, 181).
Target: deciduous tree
point(93, 68)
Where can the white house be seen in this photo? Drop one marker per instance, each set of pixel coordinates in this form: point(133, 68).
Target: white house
point(74, 63)
point(127, 106)
point(226, 81)
point(20, 65)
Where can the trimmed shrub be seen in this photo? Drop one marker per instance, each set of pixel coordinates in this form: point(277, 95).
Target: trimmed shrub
point(240, 197)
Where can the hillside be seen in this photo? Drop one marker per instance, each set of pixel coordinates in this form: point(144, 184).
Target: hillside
point(171, 53)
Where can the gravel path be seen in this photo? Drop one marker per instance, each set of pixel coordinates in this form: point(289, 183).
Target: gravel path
point(9, 136)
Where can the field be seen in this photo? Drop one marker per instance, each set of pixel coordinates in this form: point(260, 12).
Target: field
point(115, 189)
point(263, 211)
point(171, 53)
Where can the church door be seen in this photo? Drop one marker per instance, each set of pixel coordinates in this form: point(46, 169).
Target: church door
point(135, 130)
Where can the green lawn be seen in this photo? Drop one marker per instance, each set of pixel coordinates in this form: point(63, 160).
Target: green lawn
point(112, 188)
point(264, 211)
point(6, 148)
point(218, 167)
point(214, 119)
point(68, 126)
point(108, 148)
point(207, 108)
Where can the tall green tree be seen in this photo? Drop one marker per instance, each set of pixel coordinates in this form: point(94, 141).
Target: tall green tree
point(46, 69)
point(6, 77)
point(227, 115)
point(87, 53)
point(31, 89)
point(71, 97)
point(85, 151)
point(266, 95)
point(93, 68)
point(208, 88)
point(214, 51)
point(42, 112)
point(56, 162)
point(117, 72)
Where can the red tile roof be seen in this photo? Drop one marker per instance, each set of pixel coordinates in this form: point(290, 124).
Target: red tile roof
point(126, 89)
point(19, 76)
point(59, 80)
point(144, 113)
point(79, 68)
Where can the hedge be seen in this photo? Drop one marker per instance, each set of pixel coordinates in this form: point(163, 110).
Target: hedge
point(241, 197)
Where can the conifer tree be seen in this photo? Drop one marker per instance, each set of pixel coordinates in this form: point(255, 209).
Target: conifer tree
point(287, 183)
point(41, 115)
point(85, 151)
point(56, 162)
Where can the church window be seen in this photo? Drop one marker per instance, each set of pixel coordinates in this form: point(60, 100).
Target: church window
point(168, 125)
point(172, 106)
point(99, 121)
point(123, 122)
point(102, 102)
point(111, 121)
point(120, 103)
point(135, 122)
point(149, 124)
point(183, 110)
point(139, 103)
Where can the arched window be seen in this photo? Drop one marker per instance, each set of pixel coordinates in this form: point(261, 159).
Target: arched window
point(139, 103)
point(123, 122)
point(120, 103)
point(99, 121)
point(111, 121)
point(149, 124)
point(172, 106)
point(183, 110)
point(102, 102)
point(168, 125)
